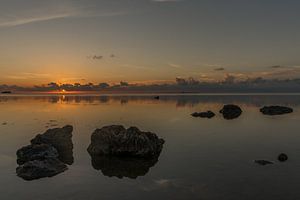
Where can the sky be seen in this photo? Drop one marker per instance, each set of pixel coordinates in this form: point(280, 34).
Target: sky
point(147, 41)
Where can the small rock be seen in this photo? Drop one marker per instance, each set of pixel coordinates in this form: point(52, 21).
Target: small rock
point(263, 162)
point(231, 111)
point(275, 110)
point(6, 92)
point(157, 97)
point(208, 114)
point(282, 157)
point(4, 123)
point(37, 169)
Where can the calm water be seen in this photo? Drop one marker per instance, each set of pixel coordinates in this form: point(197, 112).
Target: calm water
point(202, 158)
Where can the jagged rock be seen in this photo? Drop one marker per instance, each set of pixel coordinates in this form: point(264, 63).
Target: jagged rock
point(208, 114)
point(37, 169)
point(129, 167)
point(275, 110)
point(115, 140)
point(36, 152)
point(263, 162)
point(231, 111)
point(282, 157)
point(60, 139)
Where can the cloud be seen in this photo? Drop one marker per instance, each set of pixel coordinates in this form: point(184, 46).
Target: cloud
point(174, 65)
point(162, 1)
point(50, 11)
point(219, 69)
point(28, 75)
point(277, 66)
point(29, 20)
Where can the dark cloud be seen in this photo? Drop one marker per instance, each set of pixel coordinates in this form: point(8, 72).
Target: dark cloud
point(219, 69)
point(277, 66)
point(97, 57)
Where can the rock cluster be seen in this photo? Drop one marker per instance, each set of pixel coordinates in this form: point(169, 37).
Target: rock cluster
point(281, 158)
point(275, 110)
point(47, 155)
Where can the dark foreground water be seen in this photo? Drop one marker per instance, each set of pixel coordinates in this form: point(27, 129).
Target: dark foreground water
point(202, 158)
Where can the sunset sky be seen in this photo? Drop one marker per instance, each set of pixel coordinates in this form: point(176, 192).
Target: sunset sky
point(145, 41)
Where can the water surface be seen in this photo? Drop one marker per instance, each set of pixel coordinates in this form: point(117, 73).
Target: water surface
point(202, 158)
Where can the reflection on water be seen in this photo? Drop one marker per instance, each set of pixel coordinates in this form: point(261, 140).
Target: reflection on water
point(208, 159)
point(123, 167)
point(178, 100)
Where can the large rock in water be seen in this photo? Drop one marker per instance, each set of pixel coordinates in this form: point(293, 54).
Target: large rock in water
point(115, 140)
point(60, 139)
point(47, 155)
point(37, 169)
point(231, 111)
point(276, 110)
point(121, 152)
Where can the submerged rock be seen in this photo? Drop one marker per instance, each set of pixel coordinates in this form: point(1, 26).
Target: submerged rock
point(263, 162)
point(208, 114)
point(282, 157)
point(128, 167)
point(37, 169)
point(36, 152)
point(115, 140)
point(47, 155)
point(60, 139)
point(275, 110)
point(231, 111)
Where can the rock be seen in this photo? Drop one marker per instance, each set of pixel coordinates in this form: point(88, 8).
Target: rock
point(282, 157)
point(263, 162)
point(208, 114)
point(275, 110)
point(129, 167)
point(157, 97)
point(37, 169)
point(36, 152)
point(60, 139)
point(115, 140)
point(6, 92)
point(231, 111)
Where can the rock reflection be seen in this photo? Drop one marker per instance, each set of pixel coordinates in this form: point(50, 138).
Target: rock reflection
point(123, 167)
